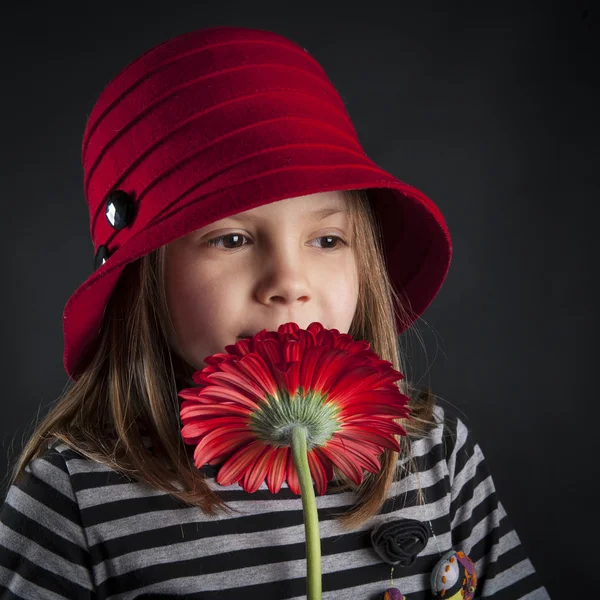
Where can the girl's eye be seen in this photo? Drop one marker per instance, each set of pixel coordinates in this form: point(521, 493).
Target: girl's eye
point(336, 239)
point(215, 241)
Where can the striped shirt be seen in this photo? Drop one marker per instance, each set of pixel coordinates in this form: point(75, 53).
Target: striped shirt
point(74, 528)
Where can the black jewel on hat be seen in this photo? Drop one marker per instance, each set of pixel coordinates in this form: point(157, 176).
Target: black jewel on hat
point(119, 213)
point(101, 256)
point(119, 209)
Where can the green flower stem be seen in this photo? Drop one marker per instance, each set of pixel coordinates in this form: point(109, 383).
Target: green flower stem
point(311, 516)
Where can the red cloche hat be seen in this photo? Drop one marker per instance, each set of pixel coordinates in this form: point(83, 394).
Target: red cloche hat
point(215, 122)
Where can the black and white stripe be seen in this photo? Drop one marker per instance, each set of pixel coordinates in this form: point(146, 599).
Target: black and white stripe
point(73, 528)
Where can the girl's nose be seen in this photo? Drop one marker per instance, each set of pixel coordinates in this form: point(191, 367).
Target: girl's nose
point(283, 278)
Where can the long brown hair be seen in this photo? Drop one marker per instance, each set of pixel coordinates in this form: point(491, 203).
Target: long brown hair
point(126, 394)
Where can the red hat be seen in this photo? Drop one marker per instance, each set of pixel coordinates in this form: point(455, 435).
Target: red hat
point(215, 122)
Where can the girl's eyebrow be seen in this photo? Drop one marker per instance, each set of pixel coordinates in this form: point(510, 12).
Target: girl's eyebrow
point(318, 215)
point(321, 213)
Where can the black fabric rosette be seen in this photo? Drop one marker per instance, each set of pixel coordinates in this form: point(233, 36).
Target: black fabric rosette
point(399, 541)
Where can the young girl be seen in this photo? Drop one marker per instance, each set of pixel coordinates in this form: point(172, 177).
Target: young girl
point(228, 193)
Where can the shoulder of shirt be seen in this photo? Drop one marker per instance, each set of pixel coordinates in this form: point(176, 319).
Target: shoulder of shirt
point(82, 470)
point(57, 449)
point(54, 446)
point(448, 432)
point(48, 477)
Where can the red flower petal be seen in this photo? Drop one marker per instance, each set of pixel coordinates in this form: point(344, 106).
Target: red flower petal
point(318, 473)
point(202, 377)
point(270, 351)
point(292, 378)
point(326, 337)
point(330, 367)
point(359, 380)
point(292, 477)
point(278, 470)
point(388, 401)
point(256, 473)
point(368, 435)
point(216, 359)
point(234, 467)
point(220, 442)
point(291, 351)
point(375, 422)
point(364, 456)
point(309, 362)
point(237, 379)
point(190, 393)
point(244, 346)
point(305, 341)
point(366, 410)
point(387, 393)
point(325, 462)
point(199, 427)
point(290, 328)
point(195, 410)
point(220, 393)
point(255, 369)
point(344, 341)
point(344, 462)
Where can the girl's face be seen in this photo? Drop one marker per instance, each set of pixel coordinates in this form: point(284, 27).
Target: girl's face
point(259, 269)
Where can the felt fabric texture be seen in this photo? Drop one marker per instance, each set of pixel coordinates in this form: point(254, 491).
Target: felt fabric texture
point(454, 576)
point(393, 594)
point(399, 541)
point(218, 121)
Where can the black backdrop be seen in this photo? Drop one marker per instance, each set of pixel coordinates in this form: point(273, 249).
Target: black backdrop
point(491, 109)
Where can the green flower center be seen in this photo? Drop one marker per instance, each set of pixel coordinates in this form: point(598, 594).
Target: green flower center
point(276, 417)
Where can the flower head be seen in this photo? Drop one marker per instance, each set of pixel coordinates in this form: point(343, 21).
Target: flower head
point(251, 397)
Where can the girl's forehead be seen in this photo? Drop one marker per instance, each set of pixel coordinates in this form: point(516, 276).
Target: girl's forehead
point(314, 207)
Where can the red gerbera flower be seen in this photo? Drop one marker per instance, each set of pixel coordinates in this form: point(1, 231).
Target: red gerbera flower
point(251, 397)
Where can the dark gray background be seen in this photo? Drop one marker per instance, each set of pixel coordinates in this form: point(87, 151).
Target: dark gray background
point(491, 109)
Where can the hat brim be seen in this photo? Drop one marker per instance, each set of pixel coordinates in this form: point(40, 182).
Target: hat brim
point(416, 241)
